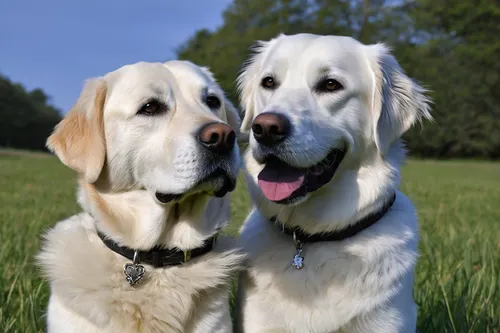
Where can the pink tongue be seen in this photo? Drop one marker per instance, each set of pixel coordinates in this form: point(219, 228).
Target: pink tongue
point(278, 181)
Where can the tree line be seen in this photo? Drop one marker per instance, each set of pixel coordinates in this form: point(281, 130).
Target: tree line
point(26, 117)
point(450, 46)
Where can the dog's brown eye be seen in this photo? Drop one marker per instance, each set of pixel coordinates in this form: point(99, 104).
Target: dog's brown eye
point(268, 82)
point(151, 108)
point(329, 85)
point(213, 102)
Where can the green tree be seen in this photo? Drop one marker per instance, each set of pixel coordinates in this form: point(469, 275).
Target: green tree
point(26, 117)
point(458, 62)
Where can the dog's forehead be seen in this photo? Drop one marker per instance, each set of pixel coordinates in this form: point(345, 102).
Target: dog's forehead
point(189, 75)
point(316, 51)
point(291, 45)
point(140, 78)
point(132, 85)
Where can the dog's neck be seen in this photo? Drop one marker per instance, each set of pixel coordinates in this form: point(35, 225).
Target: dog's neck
point(135, 220)
point(356, 191)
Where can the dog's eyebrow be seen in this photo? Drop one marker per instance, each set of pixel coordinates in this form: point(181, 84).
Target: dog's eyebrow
point(206, 90)
point(157, 91)
point(324, 70)
point(332, 72)
point(164, 95)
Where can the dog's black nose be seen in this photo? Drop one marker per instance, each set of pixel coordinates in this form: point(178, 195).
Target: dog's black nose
point(217, 137)
point(270, 128)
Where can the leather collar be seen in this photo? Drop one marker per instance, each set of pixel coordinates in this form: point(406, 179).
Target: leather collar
point(338, 235)
point(158, 257)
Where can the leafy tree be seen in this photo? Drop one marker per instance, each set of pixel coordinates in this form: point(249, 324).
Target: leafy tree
point(27, 118)
point(458, 62)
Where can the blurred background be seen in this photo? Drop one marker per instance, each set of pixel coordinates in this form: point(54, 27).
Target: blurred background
point(48, 48)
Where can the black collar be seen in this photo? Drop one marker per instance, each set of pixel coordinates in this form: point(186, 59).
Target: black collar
point(158, 257)
point(338, 235)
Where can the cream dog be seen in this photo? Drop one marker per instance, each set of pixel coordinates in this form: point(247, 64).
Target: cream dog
point(157, 157)
point(332, 243)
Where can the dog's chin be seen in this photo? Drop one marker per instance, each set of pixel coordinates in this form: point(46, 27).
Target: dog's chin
point(286, 184)
point(217, 184)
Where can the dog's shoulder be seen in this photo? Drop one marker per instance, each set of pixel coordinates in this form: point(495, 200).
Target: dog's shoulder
point(63, 241)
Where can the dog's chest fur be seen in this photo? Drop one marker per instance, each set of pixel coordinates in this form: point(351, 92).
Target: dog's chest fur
point(87, 283)
point(339, 280)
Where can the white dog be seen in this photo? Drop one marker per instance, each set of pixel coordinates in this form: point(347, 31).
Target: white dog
point(332, 243)
point(156, 159)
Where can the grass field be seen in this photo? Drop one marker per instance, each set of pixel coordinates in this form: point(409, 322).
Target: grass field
point(457, 281)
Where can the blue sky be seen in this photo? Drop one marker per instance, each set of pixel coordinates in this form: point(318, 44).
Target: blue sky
point(57, 44)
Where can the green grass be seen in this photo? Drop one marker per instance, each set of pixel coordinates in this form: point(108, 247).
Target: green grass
point(457, 282)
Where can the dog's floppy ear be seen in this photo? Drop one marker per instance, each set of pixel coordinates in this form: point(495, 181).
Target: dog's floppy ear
point(78, 140)
point(248, 82)
point(398, 101)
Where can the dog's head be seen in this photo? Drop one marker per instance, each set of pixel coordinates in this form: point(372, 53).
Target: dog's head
point(166, 128)
point(314, 103)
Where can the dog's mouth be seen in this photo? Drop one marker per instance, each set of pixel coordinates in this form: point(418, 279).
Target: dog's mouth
point(218, 183)
point(285, 184)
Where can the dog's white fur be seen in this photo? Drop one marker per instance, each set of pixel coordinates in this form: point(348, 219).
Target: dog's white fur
point(124, 158)
point(363, 283)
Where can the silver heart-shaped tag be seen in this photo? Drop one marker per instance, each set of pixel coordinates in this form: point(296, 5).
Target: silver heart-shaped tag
point(133, 273)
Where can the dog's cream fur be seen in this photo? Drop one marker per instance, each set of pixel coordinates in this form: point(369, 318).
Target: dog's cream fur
point(361, 284)
point(124, 158)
